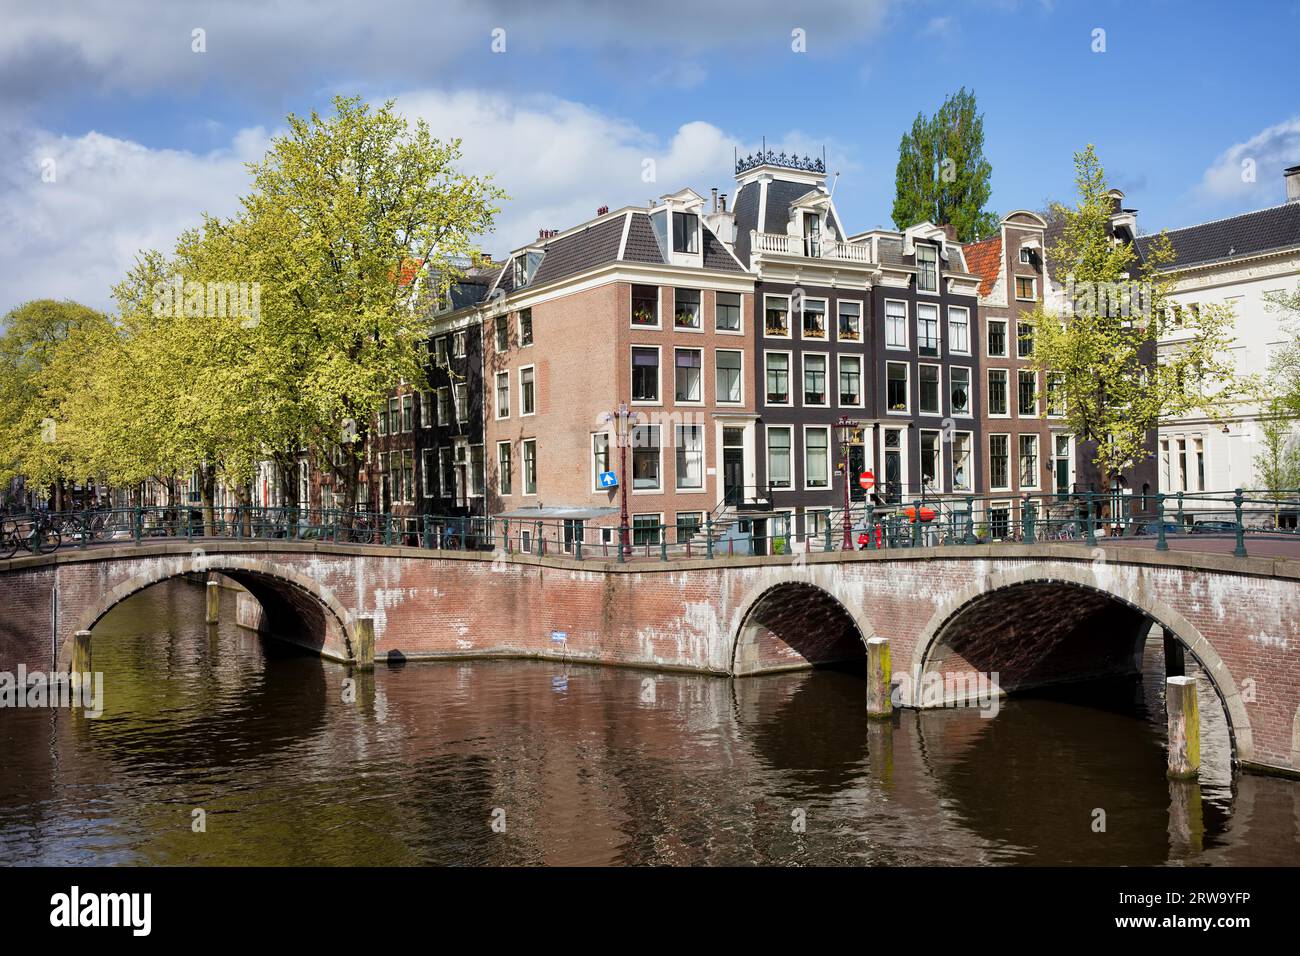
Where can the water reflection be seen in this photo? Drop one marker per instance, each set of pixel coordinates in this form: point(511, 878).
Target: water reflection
point(588, 765)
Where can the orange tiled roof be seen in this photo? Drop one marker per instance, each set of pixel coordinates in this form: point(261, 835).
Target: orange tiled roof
point(984, 259)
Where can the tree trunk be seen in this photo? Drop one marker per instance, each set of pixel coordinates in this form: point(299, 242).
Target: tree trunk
point(208, 493)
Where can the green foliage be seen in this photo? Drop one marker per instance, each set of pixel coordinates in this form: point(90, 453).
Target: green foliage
point(1277, 463)
point(1284, 371)
point(1099, 350)
point(942, 174)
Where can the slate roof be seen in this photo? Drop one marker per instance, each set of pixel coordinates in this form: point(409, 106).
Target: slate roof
point(781, 195)
point(585, 249)
point(985, 260)
point(1263, 230)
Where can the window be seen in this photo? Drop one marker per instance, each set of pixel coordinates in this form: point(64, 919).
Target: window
point(778, 378)
point(408, 412)
point(1061, 464)
point(444, 406)
point(850, 380)
point(458, 345)
point(503, 468)
point(645, 374)
point(520, 272)
point(958, 330)
point(816, 457)
point(959, 390)
point(726, 311)
point(927, 268)
point(1027, 393)
point(501, 327)
point(728, 366)
point(525, 327)
point(686, 232)
point(690, 457)
point(814, 379)
point(599, 458)
point(503, 394)
point(527, 390)
point(440, 351)
point(462, 403)
point(408, 475)
point(1055, 394)
point(476, 464)
point(688, 525)
point(383, 421)
point(690, 386)
point(814, 318)
point(395, 478)
point(645, 457)
point(426, 409)
point(686, 309)
point(645, 530)
point(927, 330)
point(427, 472)
point(997, 337)
point(645, 305)
point(1028, 461)
point(961, 473)
point(1026, 287)
point(777, 315)
point(927, 388)
point(850, 324)
point(530, 466)
point(931, 477)
point(896, 386)
point(895, 324)
point(892, 487)
point(394, 415)
point(1024, 339)
point(1026, 256)
point(999, 519)
point(778, 457)
point(999, 462)
point(998, 391)
point(446, 473)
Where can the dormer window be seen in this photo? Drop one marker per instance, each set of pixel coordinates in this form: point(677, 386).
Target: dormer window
point(520, 271)
point(686, 232)
point(812, 234)
point(1026, 256)
point(927, 265)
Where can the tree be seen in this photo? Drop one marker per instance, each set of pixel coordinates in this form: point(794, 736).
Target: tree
point(343, 210)
point(1284, 369)
point(44, 353)
point(1098, 353)
point(1277, 463)
point(942, 174)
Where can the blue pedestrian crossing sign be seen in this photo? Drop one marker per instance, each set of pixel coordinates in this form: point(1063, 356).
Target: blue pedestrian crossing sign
point(608, 479)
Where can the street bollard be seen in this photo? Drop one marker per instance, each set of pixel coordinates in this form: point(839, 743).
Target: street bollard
point(1240, 550)
point(1161, 543)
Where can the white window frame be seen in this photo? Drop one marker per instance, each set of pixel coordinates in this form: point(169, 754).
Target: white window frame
point(659, 373)
point(699, 326)
point(523, 468)
point(1006, 336)
point(717, 399)
point(767, 447)
point(938, 329)
point(1020, 372)
point(496, 391)
point(970, 392)
point(789, 316)
point(826, 320)
point(938, 267)
point(510, 475)
point(523, 391)
point(939, 477)
point(426, 456)
point(1012, 462)
point(907, 387)
point(703, 394)
point(939, 389)
point(988, 393)
point(519, 328)
point(862, 380)
point(426, 409)
point(826, 378)
point(789, 363)
point(703, 452)
point(906, 321)
point(952, 348)
point(609, 452)
point(658, 489)
point(970, 461)
point(659, 317)
point(830, 467)
point(1033, 283)
point(740, 328)
point(862, 320)
point(1038, 462)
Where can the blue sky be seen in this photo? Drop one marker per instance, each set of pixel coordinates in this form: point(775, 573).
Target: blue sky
point(144, 133)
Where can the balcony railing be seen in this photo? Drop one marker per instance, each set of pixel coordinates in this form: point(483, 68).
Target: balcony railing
point(776, 243)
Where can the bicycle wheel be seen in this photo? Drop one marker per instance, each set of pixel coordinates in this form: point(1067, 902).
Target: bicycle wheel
point(8, 544)
point(47, 541)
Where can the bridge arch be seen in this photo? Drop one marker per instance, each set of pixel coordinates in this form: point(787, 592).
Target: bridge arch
point(795, 620)
point(1088, 596)
point(297, 607)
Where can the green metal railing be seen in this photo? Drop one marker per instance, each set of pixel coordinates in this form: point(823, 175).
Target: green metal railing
point(1237, 515)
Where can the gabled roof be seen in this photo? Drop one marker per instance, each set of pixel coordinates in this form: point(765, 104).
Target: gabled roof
point(984, 259)
point(1264, 230)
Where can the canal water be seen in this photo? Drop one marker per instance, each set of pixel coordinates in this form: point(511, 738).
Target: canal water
point(217, 747)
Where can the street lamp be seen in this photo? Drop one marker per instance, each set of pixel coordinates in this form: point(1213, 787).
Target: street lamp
point(845, 427)
point(622, 417)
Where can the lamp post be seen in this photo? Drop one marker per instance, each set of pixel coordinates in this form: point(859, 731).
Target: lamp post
point(622, 417)
point(845, 427)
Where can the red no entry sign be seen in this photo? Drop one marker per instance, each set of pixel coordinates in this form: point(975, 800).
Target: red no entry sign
point(867, 480)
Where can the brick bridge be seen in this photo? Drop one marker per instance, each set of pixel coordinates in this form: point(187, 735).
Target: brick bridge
point(1035, 614)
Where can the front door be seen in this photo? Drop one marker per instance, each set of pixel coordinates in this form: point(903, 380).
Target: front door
point(733, 465)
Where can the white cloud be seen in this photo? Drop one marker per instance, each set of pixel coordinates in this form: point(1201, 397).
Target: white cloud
point(1253, 169)
point(558, 160)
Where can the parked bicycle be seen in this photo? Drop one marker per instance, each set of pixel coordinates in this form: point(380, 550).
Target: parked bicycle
point(37, 534)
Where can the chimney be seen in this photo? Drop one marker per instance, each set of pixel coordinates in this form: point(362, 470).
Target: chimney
point(1292, 176)
point(722, 203)
point(602, 210)
point(714, 191)
point(950, 231)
